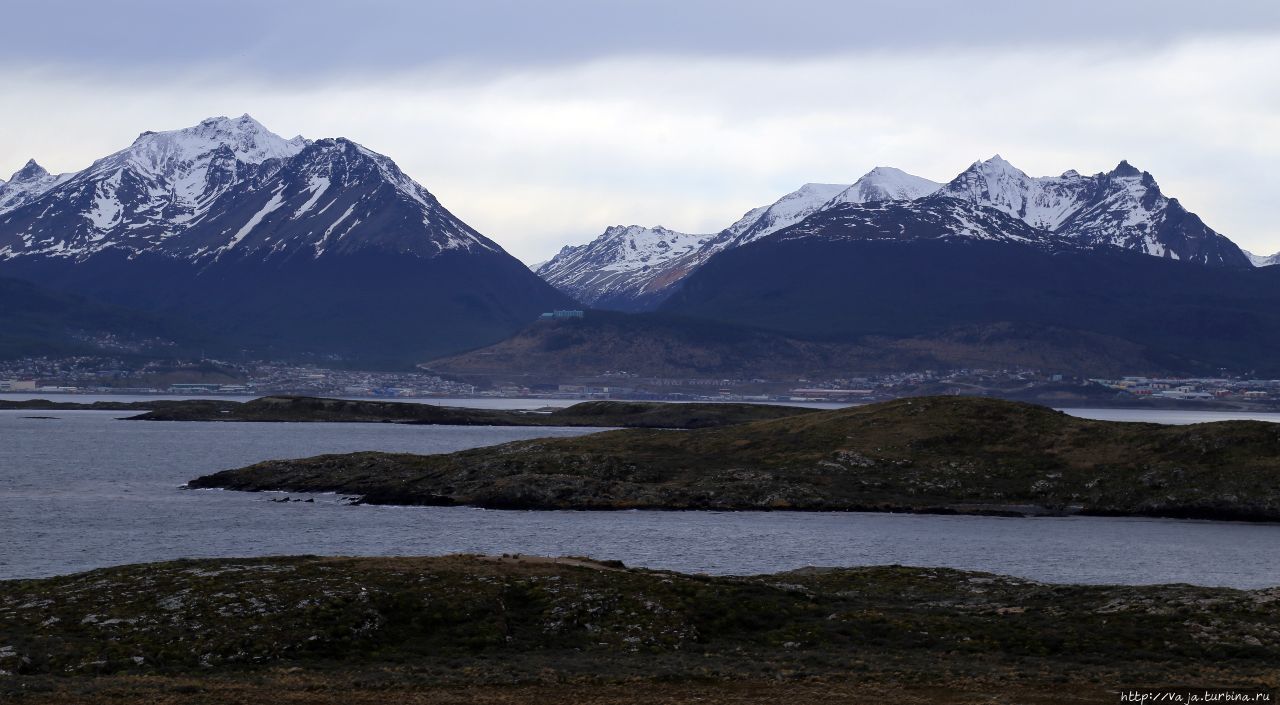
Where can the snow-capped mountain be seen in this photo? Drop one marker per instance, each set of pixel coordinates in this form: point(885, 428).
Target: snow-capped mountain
point(228, 186)
point(1122, 208)
point(1262, 260)
point(884, 183)
point(939, 272)
point(880, 184)
point(625, 265)
point(635, 268)
point(287, 238)
point(1022, 268)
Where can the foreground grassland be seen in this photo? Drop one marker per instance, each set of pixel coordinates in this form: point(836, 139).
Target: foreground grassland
point(469, 629)
point(952, 454)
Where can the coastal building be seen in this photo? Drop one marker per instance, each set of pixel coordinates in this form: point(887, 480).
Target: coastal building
point(558, 315)
point(194, 388)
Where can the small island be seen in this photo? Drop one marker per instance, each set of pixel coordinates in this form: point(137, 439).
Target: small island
point(603, 414)
point(928, 454)
point(303, 409)
point(488, 629)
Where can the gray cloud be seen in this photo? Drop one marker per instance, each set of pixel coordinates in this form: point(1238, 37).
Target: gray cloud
point(277, 38)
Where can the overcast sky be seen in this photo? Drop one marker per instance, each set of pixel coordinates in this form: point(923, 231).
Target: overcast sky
point(540, 123)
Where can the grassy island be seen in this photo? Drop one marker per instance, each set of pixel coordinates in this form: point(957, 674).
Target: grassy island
point(934, 454)
point(604, 414)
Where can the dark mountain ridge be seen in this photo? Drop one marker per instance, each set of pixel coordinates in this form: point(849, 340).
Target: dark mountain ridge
point(906, 270)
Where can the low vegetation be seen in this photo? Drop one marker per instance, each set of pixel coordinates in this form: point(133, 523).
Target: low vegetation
point(479, 629)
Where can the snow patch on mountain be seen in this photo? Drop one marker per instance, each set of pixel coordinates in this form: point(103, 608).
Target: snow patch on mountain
point(107, 209)
point(272, 205)
point(785, 212)
point(928, 218)
point(317, 186)
point(1262, 260)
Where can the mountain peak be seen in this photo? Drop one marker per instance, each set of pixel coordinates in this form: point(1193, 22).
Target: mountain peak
point(999, 164)
point(987, 171)
point(1124, 168)
point(617, 230)
point(245, 121)
point(885, 172)
point(30, 171)
point(885, 183)
point(249, 140)
point(642, 232)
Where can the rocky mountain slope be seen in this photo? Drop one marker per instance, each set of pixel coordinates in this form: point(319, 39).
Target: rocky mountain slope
point(279, 245)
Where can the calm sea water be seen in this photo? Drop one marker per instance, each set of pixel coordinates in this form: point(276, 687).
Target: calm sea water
point(86, 490)
point(1157, 416)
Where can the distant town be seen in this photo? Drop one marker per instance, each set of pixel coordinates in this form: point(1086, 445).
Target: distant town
point(106, 375)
